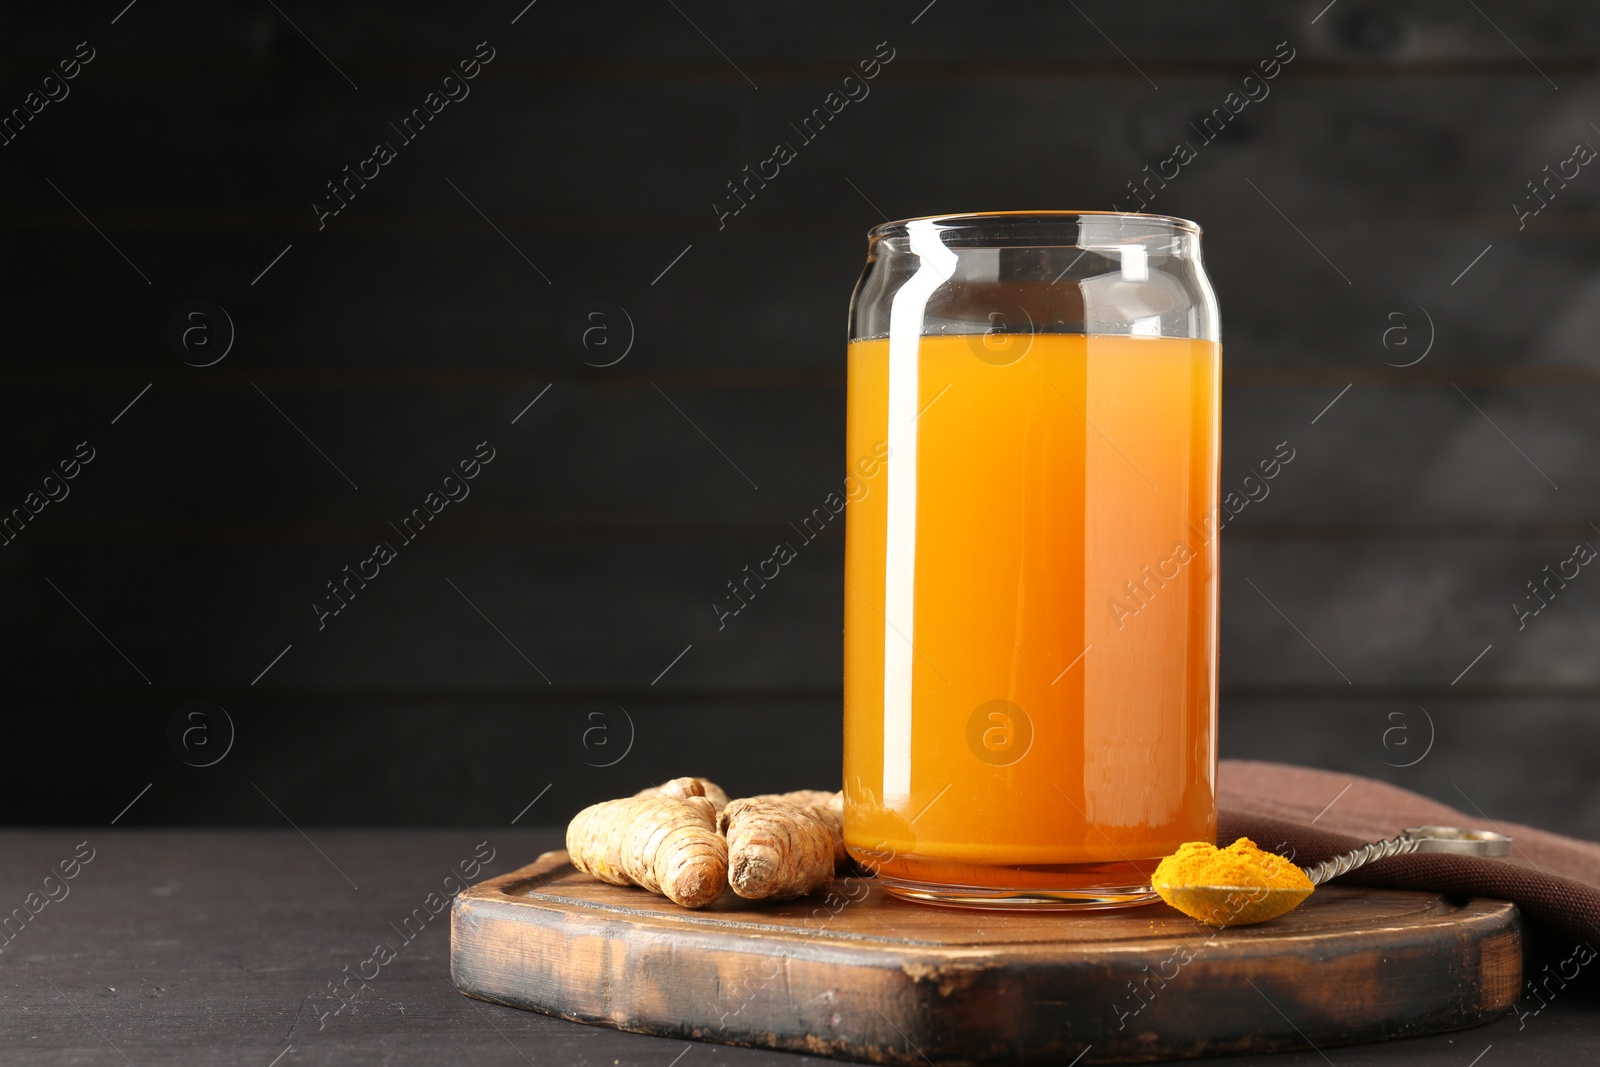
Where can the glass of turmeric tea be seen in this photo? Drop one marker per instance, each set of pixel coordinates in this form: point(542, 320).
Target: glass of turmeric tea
point(1030, 657)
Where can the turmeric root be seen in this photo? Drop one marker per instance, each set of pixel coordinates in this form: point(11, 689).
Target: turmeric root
point(807, 798)
point(712, 791)
point(779, 849)
point(825, 805)
point(666, 842)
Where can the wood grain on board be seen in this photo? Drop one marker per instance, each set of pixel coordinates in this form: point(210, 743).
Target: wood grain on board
point(855, 975)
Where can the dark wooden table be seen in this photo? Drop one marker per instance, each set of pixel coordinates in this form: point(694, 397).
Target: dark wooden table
point(174, 947)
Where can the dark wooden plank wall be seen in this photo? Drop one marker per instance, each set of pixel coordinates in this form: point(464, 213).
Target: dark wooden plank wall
point(1349, 201)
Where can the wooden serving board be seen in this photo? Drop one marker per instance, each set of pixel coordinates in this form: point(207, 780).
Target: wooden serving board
point(856, 975)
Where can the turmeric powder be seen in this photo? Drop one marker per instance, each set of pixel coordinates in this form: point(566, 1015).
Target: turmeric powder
point(1232, 886)
point(666, 842)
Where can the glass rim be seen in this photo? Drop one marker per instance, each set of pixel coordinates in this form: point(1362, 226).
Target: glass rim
point(960, 218)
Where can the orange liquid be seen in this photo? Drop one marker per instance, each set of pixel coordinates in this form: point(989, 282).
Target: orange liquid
point(1063, 502)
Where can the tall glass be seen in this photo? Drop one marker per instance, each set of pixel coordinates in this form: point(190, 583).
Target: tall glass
point(1031, 556)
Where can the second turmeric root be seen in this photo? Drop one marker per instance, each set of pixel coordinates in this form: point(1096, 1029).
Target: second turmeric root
point(779, 850)
point(825, 805)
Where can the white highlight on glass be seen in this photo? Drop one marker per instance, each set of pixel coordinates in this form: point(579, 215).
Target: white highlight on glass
point(936, 264)
point(1135, 263)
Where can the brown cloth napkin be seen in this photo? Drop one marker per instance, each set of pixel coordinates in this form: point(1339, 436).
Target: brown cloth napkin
point(1555, 880)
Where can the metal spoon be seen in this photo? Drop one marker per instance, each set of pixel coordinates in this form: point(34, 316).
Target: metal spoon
point(1222, 905)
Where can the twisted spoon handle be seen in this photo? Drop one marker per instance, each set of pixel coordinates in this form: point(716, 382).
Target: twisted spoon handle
point(1446, 839)
point(1378, 850)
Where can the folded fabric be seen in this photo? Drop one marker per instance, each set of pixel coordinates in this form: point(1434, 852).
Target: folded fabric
point(1554, 880)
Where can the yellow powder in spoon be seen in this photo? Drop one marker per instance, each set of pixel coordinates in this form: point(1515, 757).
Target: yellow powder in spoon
point(1182, 877)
